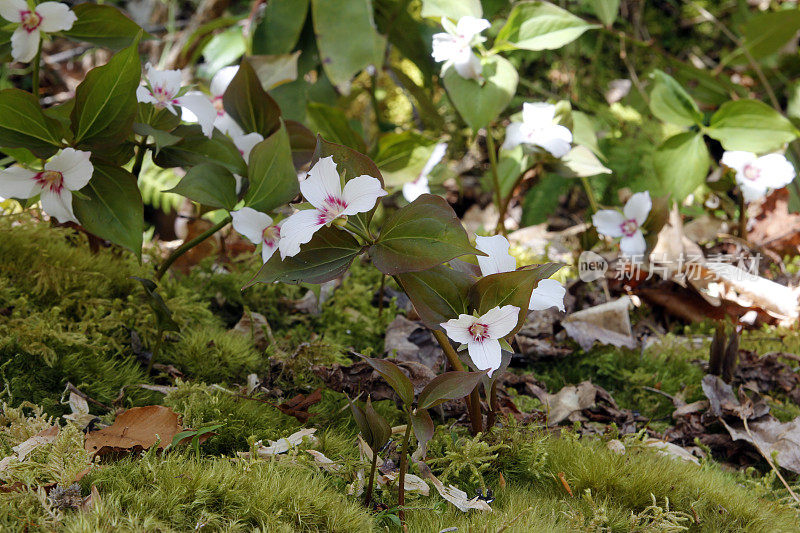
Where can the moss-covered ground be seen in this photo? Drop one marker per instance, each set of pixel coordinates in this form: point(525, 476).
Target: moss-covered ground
point(66, 315)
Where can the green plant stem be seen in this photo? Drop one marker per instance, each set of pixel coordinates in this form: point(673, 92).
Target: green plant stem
point(35, 75)
point(368, 496)
point(156, 349)
point(140, 153)
point(185, 247)
point(501, 206)
point(742, 217)
point(590, 194)
point(381, 290)
point(358, 231)
point(472, 401)
point(401, 484)
point(491, 418)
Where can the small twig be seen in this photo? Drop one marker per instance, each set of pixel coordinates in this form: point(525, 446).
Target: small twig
point(768, 459)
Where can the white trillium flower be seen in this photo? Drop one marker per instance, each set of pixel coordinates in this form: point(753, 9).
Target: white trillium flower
point(482, 334)
point(322, 188)
point(548, 292)
point(757, 175)
point(454, 48)
point(219, 84)
point(539, 128)
point(612, 223)
point(46, 17)
point(163, 89)
point(418, 187)
point(258, 228)
point(245, 142)
point(69, 170)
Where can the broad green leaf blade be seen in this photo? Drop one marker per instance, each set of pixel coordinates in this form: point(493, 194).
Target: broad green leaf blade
point(606, 11)
point(750, 125)
point(160, 137)
point(448, 386)
point(112, 208)
point(280, 26)
point(224, 48)
point(327, 256)
point(402, 156)
point(420, 236)
point(105, 101)
point(5, 46)
point(480, 104)
point(162, 311)
point(249, 104)
point(347, 39)
point(540, 26)
point(103, 25)
point(681, 163)
point(23, 124)
point(423, 426)
point(208, 184)
point(303, 143)
point(438, 294)
point(510, 166)
point(671, 103)
point(379, 427)
point(395, 377)
point(509, 288)
point(766, 33)
point(274, 70)
point(583, 132)
point(196, 149)
point(452, 9)
point(332, 124)
point(273, 179)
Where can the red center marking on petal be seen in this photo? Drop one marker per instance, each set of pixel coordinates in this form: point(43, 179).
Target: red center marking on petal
point(332, 208)
point(30, 20)
point(751, 172)
point(217, 101)
point(629, 227)
point(51, 180)
point(270, 236)
point(479, 332)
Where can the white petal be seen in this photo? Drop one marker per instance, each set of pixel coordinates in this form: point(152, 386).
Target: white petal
point(18, 182)
point(238, 179)
point(555, 140)
point(59, 206)
point(737, 160)
point(203, 109)
point(514, 136)
point(144, 95)
point(298, 229)
point(634, 245)
point(322, 182)
point(24, 45)
point(436, 156)
point(458, 328)
point(169, 80)
point(776, 171)
point(221, 80)
point(470, 67)
point(12, 10)
point(538, 114)
point(752, 190)
point(469, 26)
point(548, 293)
point(74, 166)
point(246, 143)
point(225, 123)
point(360, 194)
point(608, 222)
point(500, 320)
point(55, 16)
point(638, 207)
point(445, 47)
point(486, 354)
point(267, 251)
point(415, 189)
point(251, 223)
point(498, 260)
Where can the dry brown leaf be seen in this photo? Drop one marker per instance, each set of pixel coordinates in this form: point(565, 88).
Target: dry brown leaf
point(452, 493)
point(669, 449)
point(297, 406)
point(46, 436)
point(607, 323)
point(568, 400)
point(138, 428)
point(771, 436)
point(80, 411)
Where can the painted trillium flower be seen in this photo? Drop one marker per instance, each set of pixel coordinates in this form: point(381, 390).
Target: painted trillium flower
point(68, 170)
point(482, 334)
point(222, 121)
point(46, 17)
point(548, 292)
point(258, 228)
point(538, 128)
point(323, 190)
point(612, 223)
point(418, 187)
point(756, 175)
point(163, 89)
point(454, 48)
point(245, 142)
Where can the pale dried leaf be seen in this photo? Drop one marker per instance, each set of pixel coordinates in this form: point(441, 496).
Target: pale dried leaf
point(323, 462)
point(45, 436)
point(607, 323)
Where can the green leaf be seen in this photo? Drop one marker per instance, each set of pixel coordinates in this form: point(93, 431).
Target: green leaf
point(510, 166)
point(509, 288)
point(373, 427)
point(583, 132)
point(208, 184)
point(420, 236)
point(110, 206)
point(163, 313)
point(271, 173)
point(606, 11)
point(452, 9)
point(541, 200)
point(303, 143)
point(766, 33)
point(347, 39)
point(105, 101)
point(280, 26)
point(423, 426)
point(540, 26)
point(681, 163)
point(480, 104)
point(402, 156)
point(224, 48)
point(395, 377)
point(448, 386)
point(196, 149)
point(438, 294)
point(5, 46)
point(671, 103)
point(582, 163)
point(103, 25)
point(750, 125)
point(275, 70)
point(160, 137)
point(24, 125)
point(326, 256)
point(332, 124)
point(249, 104)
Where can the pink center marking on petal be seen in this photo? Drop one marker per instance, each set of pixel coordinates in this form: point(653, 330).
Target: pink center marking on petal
point(751, 172)
point(30, 20)
point(629, 227)
point(217, 101)
point(51, 180)
point(270, 236)
point(332, 208)
point(163, 96)
point(479, 332)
